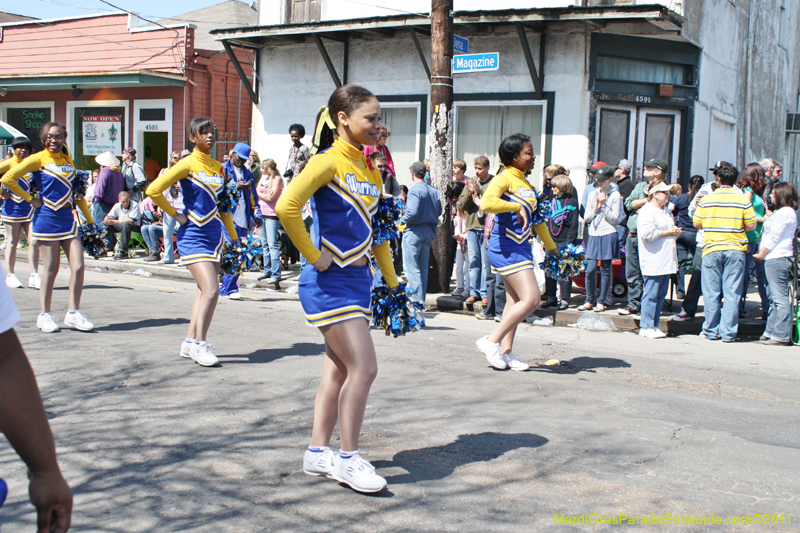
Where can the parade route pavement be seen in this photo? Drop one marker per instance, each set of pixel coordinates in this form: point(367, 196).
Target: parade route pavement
point(152, 442)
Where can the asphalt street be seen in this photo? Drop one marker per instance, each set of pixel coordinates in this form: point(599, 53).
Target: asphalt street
point(151, 442)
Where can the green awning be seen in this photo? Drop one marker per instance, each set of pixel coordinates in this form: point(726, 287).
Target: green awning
point(91, 80)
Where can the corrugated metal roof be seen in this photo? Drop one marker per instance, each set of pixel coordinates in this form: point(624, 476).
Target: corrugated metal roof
point(537, 18)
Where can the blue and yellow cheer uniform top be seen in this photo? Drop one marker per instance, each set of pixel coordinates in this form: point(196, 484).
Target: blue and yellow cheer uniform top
point(15, 209)
point(344, 196)
point(509, 250)
point(202, 181)
point(53, 175)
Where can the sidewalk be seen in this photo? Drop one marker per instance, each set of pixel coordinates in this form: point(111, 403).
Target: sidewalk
point(750, 326)
point(175, 271)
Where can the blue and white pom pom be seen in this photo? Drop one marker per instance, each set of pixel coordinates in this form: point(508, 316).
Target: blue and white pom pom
point(384, 223)
point(228, 198)
point(93, 237)
point(394, 311)
point(79, 184)
point(542, 212)
point(566, 263)
point(241, 256)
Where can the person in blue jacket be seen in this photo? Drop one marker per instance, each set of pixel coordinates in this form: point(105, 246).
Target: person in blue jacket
point(247, 212)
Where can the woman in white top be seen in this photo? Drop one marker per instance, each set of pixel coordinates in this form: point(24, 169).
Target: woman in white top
point(658, 256)
point(601, 218)
point(776, 251)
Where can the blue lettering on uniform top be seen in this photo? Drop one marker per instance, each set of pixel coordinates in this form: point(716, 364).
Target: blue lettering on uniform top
point(524, 192)
point(362, 188)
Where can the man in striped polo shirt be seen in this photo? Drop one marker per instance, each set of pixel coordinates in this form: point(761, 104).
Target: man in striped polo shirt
point(724, 216)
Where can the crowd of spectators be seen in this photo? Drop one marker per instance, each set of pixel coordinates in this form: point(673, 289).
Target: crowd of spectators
point(730, 233)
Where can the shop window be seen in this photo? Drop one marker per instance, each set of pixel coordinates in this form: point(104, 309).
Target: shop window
point(613, 138)
point(480, 128)
point(634, 70)
point(97, 130)
point(29, 120)
point(404, 123)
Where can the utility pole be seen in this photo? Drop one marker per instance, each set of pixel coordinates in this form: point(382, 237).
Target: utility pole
point(441, 139)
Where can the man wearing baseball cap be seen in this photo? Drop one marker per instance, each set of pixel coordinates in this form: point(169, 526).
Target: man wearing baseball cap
point(135, 177)
point(622, 179)
point(653, 170)
point(724, 216)
point(421, 218)
point(247, 213)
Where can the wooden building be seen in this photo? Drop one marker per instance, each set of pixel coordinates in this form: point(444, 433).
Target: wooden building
point(116, 83)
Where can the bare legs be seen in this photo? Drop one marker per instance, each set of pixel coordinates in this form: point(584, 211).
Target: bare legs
point(522, 299)
point(350, 369)
point(73, 249)
point(51, 256)
point(205, 275)
point(13, 232)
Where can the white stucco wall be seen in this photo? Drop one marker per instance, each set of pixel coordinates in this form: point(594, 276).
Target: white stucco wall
point(295, 83)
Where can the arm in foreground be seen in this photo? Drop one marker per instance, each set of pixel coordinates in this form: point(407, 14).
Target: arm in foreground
point(24, 423)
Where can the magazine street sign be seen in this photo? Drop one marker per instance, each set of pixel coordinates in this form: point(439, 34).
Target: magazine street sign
point(476, 62)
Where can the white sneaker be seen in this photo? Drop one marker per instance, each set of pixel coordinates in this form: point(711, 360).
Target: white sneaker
point(34, 281)
point(78, 321)
point(3, 246)
point(492, 352)
point(318, 463)
point(357, 473)
point(201, 353)
point(654, 333)
point(13, 281)
point(683, 316)
point(235, 296)
point(514, 363)
point(186, 349)
point(47, 323)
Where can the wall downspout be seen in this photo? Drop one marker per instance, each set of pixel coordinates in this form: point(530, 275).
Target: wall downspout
point(212, 82)
point(748, 80)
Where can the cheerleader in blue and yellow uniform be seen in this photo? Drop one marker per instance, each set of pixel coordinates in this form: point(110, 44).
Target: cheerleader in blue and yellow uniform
point(54, 225)
point(200, 235)
point(16, 215)
point(335, 284)
point(514, 200)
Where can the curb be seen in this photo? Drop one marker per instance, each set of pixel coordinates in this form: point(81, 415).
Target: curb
point(747, 327)
point(444, 303)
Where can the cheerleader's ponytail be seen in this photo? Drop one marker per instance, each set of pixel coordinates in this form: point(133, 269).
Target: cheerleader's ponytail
point(324, 131)
point(345, 99)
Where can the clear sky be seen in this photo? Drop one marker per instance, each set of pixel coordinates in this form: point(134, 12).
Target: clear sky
point(153, 9)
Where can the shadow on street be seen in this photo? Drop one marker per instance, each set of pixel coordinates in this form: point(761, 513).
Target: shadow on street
point(438, 462)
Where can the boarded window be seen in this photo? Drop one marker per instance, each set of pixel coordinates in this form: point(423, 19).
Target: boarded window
point(300, 11)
